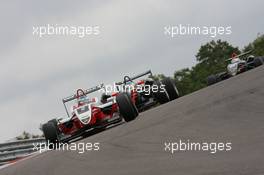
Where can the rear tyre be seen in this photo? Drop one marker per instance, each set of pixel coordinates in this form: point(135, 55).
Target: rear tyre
point(51, 134)
point(257, 62)
point(127, 108)
point(159, 93)
point(170, 88)
point(212, 79)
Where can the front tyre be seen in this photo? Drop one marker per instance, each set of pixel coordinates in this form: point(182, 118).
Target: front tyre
point(257, 62)
point(212, 79)
point(133, 105)
point(160, 94)
point(51, 134)
point(127, 108)
point(170, 88)
point(262, 59)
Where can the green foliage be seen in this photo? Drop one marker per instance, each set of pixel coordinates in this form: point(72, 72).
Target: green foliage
point(183, 80)
point(257, 46)
point(158, 77)
point(212, 55)
point(211, 59)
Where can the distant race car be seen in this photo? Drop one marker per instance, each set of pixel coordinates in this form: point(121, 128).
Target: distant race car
point(238, 64)
point(88, 114)
point(148, 92)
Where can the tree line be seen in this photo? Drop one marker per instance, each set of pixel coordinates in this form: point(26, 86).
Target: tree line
point(211, 59)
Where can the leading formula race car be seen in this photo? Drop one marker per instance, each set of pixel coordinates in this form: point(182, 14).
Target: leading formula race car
point(147, 92)
point(88, 114)
point(239, 64)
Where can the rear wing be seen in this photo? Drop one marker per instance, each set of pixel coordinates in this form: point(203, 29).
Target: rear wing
point(136, 76)
point(87, 91)
point(240, 55)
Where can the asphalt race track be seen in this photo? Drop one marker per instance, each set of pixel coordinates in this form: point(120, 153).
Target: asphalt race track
point(230, 111)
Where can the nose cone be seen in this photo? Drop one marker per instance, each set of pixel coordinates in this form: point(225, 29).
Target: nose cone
point(232, 69)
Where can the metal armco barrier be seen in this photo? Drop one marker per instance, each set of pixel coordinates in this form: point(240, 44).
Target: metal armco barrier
point(11, 151)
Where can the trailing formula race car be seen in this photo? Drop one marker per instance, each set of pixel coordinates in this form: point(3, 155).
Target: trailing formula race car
point(89, 114)
point(147, 92)
point(239, 64)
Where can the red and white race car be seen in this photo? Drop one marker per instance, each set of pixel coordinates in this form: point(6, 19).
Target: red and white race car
point(89, 114)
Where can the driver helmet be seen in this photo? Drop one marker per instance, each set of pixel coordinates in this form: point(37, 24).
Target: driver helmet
point(149, 81)
point(250, 57)
point(104, 98)
point(129, 83)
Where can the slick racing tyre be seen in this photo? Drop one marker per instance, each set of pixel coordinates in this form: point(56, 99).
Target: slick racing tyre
point(212, 79)
point(134, 106)
point(170, 88)
point(257, 62)
point(127, 108)
point(160, 94)
point(55, 122)
point(51, 134)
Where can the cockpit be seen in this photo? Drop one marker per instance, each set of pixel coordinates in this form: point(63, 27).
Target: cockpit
point(82, 109)
point(235, 60)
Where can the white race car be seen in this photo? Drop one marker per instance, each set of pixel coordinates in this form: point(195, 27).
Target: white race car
point(237, 65)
